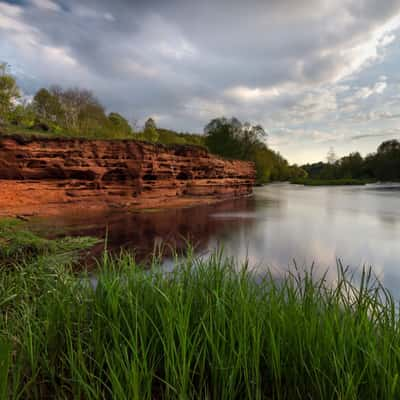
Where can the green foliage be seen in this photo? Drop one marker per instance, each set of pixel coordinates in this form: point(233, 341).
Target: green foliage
point(297, 172)
point(119, 124)
point(351, 166)
point(384, 165)
point(18, 243)
point(48, 107)
point(223, 137)
point(150, 132)
point(208, 330)
point(23, 115)
point(166, 136)
point(232, 139)
point(9, 92)
point(5, 365)
point(77, 112)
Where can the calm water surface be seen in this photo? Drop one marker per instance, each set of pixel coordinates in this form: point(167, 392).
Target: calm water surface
point(279, 224)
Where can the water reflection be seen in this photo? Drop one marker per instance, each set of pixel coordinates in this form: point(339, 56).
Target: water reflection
point(359, 225)
point(145, 231)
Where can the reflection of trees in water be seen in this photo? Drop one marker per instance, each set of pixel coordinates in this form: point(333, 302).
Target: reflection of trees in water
point(166, 229)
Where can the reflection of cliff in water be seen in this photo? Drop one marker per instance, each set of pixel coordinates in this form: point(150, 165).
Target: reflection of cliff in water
point(143, 231)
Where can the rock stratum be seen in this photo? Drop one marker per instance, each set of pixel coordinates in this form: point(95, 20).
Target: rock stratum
point(46, 176)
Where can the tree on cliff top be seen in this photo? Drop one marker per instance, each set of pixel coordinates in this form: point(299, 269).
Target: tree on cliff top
point(230, 138)
point(119, 124)
point(47, 106)
point(9, 92)
point(74, 110)
point(150, 131)
point(82, 111)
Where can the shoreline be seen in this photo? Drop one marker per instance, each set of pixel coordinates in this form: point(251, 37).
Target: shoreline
point(24, 199)
point(47, 177)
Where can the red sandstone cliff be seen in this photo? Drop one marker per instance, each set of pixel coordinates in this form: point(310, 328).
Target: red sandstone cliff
point(47, 176)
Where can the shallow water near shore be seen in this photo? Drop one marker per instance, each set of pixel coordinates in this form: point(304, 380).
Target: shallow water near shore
point(359, 225)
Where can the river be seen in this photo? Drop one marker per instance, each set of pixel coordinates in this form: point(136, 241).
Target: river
point(360, 225)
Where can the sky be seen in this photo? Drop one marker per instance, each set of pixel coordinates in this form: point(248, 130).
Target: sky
point(316, 74)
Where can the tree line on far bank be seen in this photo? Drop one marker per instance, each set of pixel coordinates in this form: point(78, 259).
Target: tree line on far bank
point(77, 112)
point(382, 165)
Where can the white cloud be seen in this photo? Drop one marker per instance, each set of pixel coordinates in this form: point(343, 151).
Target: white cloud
point(387, 39)
point(366, 91)
point(10, 10)
point(10, 18)
point(243, 93)
point(47, 5)
point(83, 11)
point(58, 55)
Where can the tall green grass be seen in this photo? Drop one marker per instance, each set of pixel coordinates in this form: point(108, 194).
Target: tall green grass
point(208, 330)
point(18, 245)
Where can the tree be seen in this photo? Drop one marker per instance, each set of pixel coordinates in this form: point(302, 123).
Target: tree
point(250, 137)
point(48, 107)
point(119, 124)
point(351, 166)
point(389, 146)
point(77, 110)
point(81, 109)
point(387, 161)
point(23, 115)
point(222, 137)
point(150, 131)
point(9, 92)
point(297, 172)
point(384, 165)
point(230, 138)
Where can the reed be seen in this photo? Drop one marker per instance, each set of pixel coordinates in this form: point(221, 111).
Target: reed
point(208, 330)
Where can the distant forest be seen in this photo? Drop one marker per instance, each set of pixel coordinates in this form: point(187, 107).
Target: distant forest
point(77, 112)
point(383, 165)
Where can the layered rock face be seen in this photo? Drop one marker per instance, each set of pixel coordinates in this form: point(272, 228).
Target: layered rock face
point(45, 176)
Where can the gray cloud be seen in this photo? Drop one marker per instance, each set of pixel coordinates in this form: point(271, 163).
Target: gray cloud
point(389, 133)
point(278, 62)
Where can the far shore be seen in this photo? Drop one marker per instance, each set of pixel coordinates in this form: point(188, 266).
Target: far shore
point(332, 182)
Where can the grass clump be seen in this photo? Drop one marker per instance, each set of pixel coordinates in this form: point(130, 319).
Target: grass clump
point(19, 244)
point(208, 330)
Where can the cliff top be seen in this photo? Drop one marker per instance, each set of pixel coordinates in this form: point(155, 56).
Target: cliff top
point(24, 138)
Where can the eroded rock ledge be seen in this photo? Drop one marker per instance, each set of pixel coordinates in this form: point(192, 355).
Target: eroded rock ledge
point(47, 176)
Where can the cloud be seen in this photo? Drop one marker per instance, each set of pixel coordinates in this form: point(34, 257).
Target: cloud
point(47, 5)
point(367, 91)
point(288, 64)
point(243, 93)
point(295, 136)
point(387, 133)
